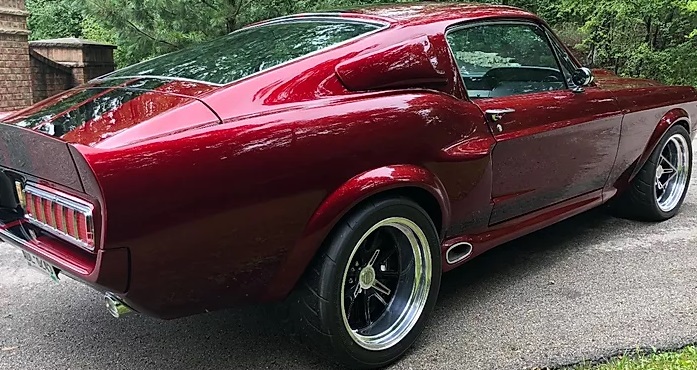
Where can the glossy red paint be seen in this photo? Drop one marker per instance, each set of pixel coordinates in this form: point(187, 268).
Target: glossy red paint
point(167, 103)
point(672, 117)
point(509, 230)
point(104, 270)
point(126, 113)
point(421, 14)
point(560, 156)
point(213, 196)
point(405, 65)
point(406, 180)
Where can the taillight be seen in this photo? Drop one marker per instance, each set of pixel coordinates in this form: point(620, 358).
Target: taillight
point(63, 215)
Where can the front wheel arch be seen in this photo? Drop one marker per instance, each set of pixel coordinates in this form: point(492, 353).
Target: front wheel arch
point(671, 118)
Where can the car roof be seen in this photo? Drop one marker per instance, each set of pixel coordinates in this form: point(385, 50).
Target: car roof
point(432, 12)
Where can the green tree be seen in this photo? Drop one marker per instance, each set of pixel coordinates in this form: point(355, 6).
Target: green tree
point(55, 18)
point(640, 38)
point(146, 28)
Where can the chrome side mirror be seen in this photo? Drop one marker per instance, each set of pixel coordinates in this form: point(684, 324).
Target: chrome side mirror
point(582, 77)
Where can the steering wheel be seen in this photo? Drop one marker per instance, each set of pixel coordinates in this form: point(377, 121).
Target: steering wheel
point(552, 78)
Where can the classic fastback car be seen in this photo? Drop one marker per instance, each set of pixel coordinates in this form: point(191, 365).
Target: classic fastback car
point(341, 161)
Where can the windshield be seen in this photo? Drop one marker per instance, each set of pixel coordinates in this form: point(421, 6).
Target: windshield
point(248, 51)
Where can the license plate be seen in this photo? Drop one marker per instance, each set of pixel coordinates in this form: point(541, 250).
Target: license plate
point(41, 265)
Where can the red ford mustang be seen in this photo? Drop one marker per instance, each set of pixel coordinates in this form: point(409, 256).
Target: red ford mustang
point(342, 161)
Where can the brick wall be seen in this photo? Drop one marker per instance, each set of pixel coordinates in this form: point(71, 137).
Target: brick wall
point(15, 71)
point(30, 72)
point(86, 59)
point(48, 77)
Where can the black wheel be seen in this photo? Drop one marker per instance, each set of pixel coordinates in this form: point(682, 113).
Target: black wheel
point(658, 190)
point(366, 297)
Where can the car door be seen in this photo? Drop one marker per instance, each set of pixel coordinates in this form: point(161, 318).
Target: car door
point(554, 141)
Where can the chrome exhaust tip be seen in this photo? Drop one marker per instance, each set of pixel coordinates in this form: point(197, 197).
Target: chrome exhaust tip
point(115, 306)
point(458, 252)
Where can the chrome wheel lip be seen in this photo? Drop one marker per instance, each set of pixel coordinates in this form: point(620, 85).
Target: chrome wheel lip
point(676, 155)
point(416, 302)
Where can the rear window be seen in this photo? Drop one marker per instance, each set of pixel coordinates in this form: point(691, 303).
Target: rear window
point(248, 51)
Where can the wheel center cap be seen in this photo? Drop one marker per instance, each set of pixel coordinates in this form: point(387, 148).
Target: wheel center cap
point(367, 277)
point(659, 172)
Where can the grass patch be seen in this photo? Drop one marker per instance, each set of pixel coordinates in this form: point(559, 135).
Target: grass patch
point(684, 359)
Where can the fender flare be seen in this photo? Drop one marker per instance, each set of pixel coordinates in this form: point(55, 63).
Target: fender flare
point(668, 120)
point(374, 182)
point(341, 201)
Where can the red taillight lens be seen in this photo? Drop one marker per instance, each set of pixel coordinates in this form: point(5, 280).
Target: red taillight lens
point(47, 212)
point(59, 217)
point(63, 215)
point(82, 229)
point(71, 228)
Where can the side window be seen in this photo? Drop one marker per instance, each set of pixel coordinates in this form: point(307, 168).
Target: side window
point(568, 66)
point(505, 59)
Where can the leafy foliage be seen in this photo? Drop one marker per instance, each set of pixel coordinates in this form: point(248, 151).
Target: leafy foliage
point(55, 18)
point(641, 38)
point(147, 28)
point(685, 359)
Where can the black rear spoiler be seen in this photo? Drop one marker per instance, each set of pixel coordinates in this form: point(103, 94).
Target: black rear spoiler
point(38, 155)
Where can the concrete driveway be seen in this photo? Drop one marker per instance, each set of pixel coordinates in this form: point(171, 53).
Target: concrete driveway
point(583, 289)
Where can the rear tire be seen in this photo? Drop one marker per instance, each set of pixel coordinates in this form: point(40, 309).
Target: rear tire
point(366, 297)
point(659, 189)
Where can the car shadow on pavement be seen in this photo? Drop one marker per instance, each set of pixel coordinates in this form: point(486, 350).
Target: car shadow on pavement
point(527, 254)
point(251, 338)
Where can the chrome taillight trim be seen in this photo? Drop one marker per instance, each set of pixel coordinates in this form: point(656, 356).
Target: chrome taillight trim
point(65, 200)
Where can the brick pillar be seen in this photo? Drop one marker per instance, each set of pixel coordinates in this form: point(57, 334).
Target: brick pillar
point(15, 71)
point(87, 59)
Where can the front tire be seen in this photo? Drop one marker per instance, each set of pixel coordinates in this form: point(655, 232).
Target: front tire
point(659, 189)
point(367, 296)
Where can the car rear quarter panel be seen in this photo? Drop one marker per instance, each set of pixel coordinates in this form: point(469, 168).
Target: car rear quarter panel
point(649, 112)
point(212, 217)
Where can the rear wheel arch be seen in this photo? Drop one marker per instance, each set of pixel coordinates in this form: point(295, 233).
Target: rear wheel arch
point(415, 183)
point(418, 195)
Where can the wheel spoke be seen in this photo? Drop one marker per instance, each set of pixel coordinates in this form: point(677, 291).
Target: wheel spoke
point(386, 255)
point(357, 290)
point(668, 162)
point(370, 244)
point(374, 257)
point(366, 309)
point(349, 309)
point(382, 288)
point(379, 298)
point(659, 185)
point(665, 183)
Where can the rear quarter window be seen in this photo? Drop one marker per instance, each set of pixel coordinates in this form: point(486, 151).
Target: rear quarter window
point(249, 51)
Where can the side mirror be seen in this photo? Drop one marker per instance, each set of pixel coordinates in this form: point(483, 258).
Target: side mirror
point(582, 77)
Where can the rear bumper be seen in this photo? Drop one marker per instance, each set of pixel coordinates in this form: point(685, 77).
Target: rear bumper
point(105, 270)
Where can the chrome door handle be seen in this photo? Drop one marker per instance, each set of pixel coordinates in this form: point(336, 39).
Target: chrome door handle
point(496, 114)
